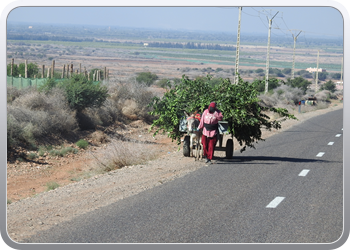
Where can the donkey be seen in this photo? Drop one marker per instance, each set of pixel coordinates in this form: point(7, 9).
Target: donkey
point(195, 136)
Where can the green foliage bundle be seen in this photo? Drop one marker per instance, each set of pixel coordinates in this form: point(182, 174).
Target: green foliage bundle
point(238, 103)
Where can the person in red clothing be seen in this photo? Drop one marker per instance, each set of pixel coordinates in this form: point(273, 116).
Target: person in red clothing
point(209, 124)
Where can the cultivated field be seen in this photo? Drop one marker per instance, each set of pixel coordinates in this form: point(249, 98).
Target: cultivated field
point(124, 61)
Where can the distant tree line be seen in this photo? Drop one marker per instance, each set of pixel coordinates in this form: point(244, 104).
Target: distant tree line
point(48, 38)
point(191, 45)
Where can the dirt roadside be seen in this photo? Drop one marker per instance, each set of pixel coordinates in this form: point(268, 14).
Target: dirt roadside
point(38, 210)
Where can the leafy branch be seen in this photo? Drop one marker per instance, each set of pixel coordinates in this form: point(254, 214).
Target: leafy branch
point(239, 104)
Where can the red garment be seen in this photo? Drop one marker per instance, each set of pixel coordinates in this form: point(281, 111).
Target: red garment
point(209, 137)
point(210, 119)
point(208, 146)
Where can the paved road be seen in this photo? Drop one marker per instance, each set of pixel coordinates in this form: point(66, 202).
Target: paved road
point(290, 189)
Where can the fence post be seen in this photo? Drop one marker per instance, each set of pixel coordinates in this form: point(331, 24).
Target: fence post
point(48, 73)
point(25, 69)
point(88, 74)
point(93, 77)
point(79, 68)
point(105, 75)
point(12, 62)
point(42, 71)
point(63, 69)
point(71, 69)
point(52, 68)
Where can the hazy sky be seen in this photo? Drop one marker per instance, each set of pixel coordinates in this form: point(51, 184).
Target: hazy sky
point(322, 21)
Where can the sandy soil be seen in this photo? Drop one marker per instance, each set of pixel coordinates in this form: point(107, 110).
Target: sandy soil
point(32, 209)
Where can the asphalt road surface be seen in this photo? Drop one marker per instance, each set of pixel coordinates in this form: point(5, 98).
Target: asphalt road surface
point(288, 190)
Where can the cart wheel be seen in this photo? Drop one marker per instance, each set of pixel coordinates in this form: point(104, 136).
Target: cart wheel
point(186, 146)
point(229, 148)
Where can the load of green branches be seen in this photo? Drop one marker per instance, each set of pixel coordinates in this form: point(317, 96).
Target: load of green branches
point(239, 104)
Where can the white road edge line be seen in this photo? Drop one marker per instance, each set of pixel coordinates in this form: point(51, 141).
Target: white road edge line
point(338, 135)
point(320, 154)
point(304, 172)
point(331, 143)
point(275, 202)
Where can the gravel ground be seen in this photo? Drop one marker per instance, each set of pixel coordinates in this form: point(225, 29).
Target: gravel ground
point(31, 215)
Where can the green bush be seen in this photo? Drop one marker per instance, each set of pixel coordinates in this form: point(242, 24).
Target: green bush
point(329, 86)
point(298, 82)
point(49, 84)
point(146, 77)
point(273, 83)
point(82, 144)
point(82, 93)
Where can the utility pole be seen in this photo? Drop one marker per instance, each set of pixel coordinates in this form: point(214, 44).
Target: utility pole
point(237, 48)
point(295, 39)
point(268, 55)
point(316, 82)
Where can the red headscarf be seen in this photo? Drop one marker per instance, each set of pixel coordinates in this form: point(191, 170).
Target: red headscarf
point(212, 104)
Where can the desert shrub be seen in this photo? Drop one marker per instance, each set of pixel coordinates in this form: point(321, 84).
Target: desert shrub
point(119, 154)
point(51, 186)
point(68, 150)
point(288, 95)
point(35, 115)
point(324, 96)
point(49, 84)
point(147, 78)
point(121, 95)
point(82, 144)
point(32, 156)
point(164, 83)
point(298, 82)
point(329, 86)
point(260, 84)
point(13, 93)
point(82, 93)
point(287, 71)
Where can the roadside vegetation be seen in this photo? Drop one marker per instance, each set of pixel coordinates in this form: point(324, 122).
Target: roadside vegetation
point(58, 109)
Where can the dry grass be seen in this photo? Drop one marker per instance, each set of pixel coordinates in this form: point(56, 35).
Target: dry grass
point(119, 154)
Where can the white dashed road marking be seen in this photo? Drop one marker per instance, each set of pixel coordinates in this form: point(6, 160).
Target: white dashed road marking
point(275, 202)
point(338, 135)
point(331, 143)
point(320, 154)
point(304, 172)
